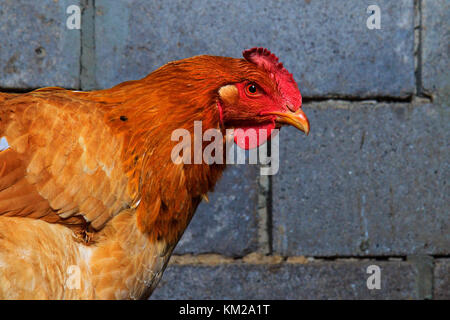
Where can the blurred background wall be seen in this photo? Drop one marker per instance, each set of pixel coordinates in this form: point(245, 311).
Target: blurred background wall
point(368, 186)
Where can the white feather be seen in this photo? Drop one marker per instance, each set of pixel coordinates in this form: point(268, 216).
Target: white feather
point(3, 144)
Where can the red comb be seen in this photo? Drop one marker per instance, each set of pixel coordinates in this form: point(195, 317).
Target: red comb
point(262, 57)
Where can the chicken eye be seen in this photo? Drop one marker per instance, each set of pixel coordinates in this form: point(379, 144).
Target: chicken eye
point(252, 89)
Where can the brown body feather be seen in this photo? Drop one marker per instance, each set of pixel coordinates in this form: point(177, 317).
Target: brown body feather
point(88, 180)
point(91, 203)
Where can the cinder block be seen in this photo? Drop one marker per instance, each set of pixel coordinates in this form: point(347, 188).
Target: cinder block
point(435, 50)
point(316, 280)
point(325, 44)
point(370, 179)
point(442, 279)
point(228, 224)
point(36, 47)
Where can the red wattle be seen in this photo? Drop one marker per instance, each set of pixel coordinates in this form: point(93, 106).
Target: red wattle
point(252, 137)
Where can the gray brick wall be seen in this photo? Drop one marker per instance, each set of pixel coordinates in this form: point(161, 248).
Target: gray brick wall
point(286, 280)
point(442, 279)
point(368, 186)
point(372, 179)
point(142, 35)
point(36, 49)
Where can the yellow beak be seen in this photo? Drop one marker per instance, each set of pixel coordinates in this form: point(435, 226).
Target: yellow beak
point(297, 119)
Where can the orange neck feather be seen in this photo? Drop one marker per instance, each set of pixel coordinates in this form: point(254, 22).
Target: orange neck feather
point(146, 112)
